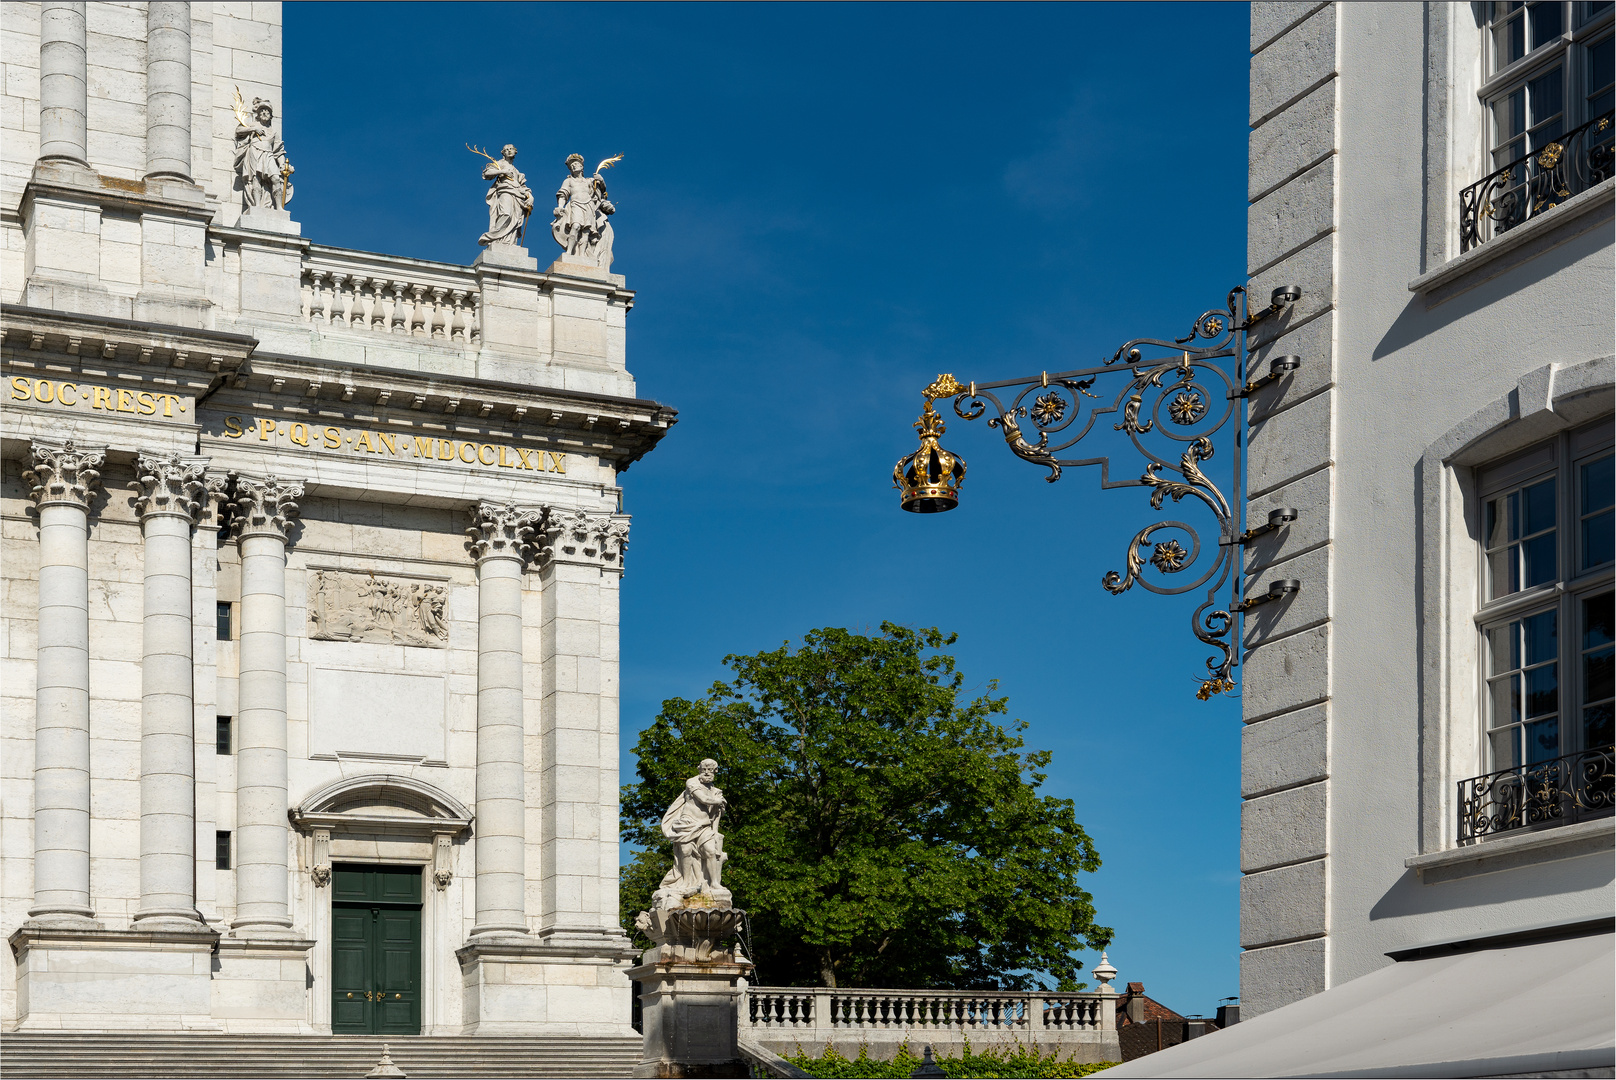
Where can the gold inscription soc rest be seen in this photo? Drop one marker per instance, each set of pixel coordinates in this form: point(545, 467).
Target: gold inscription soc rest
point(389, 444)
point(101, 398)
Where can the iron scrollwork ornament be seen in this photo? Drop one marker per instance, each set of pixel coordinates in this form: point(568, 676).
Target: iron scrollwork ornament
point(1180, 401)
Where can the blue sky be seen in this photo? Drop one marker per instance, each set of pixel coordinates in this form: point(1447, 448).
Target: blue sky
point(821, 208)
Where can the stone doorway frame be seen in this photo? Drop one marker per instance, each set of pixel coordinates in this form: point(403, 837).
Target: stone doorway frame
point(394, 820)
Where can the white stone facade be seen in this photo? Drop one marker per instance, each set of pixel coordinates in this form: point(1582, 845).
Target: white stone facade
point(1421, 365)
point(206, 417)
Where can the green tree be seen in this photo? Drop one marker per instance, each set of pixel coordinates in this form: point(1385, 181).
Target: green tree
point(883, 829)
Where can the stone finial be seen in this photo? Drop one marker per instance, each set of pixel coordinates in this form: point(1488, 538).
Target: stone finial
point(1105, 973)
point(928, 1066)
point(172, 486)
point(64, 473)
point(264, 507)
point(385, 1066)
point(502, 531)
point(575, 536)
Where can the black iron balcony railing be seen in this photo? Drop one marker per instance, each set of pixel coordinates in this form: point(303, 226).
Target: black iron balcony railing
point(1563, 790)
point(1540, 181)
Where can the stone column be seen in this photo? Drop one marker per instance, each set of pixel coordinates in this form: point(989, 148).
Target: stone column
point(582, 570)
point(168, 89)
point(170, 492)
point(264, 509)
point(62, 83)
point(501, 538)
point(64, 479)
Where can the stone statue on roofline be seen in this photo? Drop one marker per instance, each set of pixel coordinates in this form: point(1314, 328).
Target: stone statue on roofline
point(262, 167)
point(509, 199)
point(582, 214)
point(691, 823)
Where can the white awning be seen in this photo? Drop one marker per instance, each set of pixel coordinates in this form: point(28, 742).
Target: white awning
point(1542, 1008)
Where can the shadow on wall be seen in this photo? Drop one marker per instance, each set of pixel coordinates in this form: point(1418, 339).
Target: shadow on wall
point(1420, 319)
point(1409, 896)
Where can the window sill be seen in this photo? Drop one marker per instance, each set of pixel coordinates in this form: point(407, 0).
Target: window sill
point(1565, 222)
point(1516, 850)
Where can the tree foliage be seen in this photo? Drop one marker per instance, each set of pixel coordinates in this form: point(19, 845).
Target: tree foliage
point(883, 829)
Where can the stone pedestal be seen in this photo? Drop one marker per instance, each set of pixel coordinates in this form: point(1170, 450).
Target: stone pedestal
point(690, 993)
point(508, 308)
point(114, 979)
point(512, 985)
point(271, 264)
point(262, 986)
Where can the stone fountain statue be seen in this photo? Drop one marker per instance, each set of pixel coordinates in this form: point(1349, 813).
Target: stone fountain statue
point(690, 976)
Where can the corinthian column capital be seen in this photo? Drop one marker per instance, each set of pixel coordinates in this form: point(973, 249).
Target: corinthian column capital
point(63, 473)
point(577, 536)
point(264, 507)
point(502, 531)
point(172, 486)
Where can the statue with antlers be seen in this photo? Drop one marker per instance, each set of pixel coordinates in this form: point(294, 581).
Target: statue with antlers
point(509, 200)
point(582, 226)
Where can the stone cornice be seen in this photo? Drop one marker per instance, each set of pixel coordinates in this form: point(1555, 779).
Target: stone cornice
point(175, 198)
point(71, 334)
point(580, 538)
point(64, 474)
point(503, 531)
point(172, 486)
point(264, 507)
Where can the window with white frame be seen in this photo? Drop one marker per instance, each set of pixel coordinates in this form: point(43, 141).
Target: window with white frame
point(1551, 68)
point(1549, 542)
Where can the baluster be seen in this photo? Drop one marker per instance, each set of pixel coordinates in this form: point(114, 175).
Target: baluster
point(420, 318)
point(306, 296)
point(457, 319)
point(365, 301)
point(474, 319)
point(341, 297)
point(381, 316)
point(435, 315)
point(401, 311)
point(322, 301)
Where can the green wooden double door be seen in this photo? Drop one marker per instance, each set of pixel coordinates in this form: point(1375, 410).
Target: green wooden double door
point(376, 950)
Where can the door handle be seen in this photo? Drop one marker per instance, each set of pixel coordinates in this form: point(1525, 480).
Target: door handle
point(350, 993)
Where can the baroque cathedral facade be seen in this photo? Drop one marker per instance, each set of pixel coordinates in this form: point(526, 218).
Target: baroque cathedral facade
point(311, 561)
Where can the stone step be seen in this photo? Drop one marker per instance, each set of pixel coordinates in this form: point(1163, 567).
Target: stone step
point(49, 1055)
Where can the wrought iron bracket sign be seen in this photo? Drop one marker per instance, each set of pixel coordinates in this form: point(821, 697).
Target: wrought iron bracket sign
point(1169, 408)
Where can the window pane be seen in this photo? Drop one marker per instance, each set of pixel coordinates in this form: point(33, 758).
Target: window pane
point(1539, 507)
point(222, 743)
point(221, 851)
point(1540, 632)
point(1497, 522)
point(1598, 529)
point(1590, 8)
point(1509, 41)
point(1538, 554)
point(1596, 726)
point(222, 622)
point(1506, 748)
point(1542, 741)
point(1506, 695)
point(1596, 675)
point(1597, 621)
point(1598, 484)
point(1504, 643)
point(1598, 540)
point(1548, 22)
point(1509, 118)
point(1599, 62)
point(1542, 691)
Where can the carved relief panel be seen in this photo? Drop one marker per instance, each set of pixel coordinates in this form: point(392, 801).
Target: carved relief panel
point(365, 607)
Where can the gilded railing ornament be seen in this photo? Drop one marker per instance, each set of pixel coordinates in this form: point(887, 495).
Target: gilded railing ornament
point(1174, 401)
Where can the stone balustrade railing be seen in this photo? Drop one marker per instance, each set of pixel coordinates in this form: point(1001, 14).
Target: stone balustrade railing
point(358, 290)
point(820, 1014)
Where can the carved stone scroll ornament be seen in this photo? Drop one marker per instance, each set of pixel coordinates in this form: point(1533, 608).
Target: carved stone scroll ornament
point(502, 530)
point(576, 536)
point(265, 506)
point(64, 473)
point(172, 486)
point(364, 607)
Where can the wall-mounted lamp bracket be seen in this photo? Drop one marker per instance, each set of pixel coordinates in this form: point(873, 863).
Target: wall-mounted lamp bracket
point(1277, 519)
point(1281, 298)
point(1278, 367)
point(1277, 590)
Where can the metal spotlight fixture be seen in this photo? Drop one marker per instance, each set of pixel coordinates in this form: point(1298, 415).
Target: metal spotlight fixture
point(1286, 295)
point(1277, 590)
point(1277, 519)
point(929, 479)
